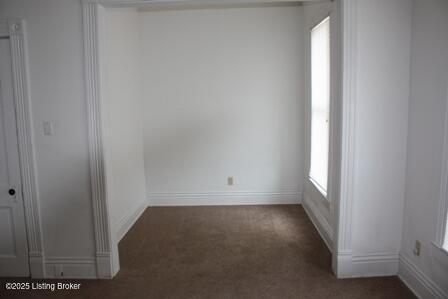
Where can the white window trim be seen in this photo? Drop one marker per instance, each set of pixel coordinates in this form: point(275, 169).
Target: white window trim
point(443, 201)
point(320, 22)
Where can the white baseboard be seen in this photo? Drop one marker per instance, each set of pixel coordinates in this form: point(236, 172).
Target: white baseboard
point(343, 264)
point(128, 220)
point(37, 266)
point(349, 265)
point(223, 198)
point(422, 286)
point(105, 264)
point(319, 221)
point(374, 265)
point(70, 267)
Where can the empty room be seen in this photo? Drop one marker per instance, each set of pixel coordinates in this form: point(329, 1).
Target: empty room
point(224, 149)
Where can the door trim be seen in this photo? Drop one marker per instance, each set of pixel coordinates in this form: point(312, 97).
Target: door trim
point(14, 29)
point(106, 247)
point(342, 248)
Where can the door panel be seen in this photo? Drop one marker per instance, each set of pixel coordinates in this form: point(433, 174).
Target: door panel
point(13, 242)
point(7, 246)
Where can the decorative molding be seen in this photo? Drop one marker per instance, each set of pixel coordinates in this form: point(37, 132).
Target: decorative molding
point(319, 221)
point(343, 264)
point(4, 28)
point(37, 265)
point(417, 280)
point(372, 265)
point(71, 267)
point(16, 33)
point(92, 18)
point(334, 169)
point(128, 220)
point(223, 198)
point(194, 3)
point(367, 265)
point(343, 210)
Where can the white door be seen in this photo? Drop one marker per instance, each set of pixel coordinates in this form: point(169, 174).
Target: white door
point(13, 242)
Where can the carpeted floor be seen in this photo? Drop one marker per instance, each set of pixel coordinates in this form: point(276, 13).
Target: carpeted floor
point(227, 252)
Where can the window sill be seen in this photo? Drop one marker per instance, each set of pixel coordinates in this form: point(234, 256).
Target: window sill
point(319, 188)
point(440, 248)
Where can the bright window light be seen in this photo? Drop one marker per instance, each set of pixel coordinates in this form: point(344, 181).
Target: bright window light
point(320, 104)
point(445, 245)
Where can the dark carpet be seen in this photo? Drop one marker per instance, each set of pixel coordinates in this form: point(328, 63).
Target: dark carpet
point(226, 252)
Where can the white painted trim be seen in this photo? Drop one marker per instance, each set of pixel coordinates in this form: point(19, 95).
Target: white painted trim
point(319, 188)
point(443, 199)
point(319, 221)
point(129, 220)
point(377, 264)
point(151, 6)
point(344, 264)
point(440, 249)
point(343, 209)
point(223, 198)
point(15, 30)
point(169, 3)
point(37, 265)
point(106, 248)
point(71, 267)
point(417, 281)
point(335, 113)
point(4, 28)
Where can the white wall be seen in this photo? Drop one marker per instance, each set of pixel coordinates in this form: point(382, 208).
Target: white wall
point(318, 207)
point(57, 94)
point(123, 119)
point(383, 55)
point(429, 84)
point(223, 97)
point(263, 115)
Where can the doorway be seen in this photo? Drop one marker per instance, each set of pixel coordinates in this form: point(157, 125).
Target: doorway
point(95, 15)
point(14, 246)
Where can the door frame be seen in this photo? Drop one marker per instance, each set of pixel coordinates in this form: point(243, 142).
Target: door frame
point(342, 253)
point(14, 30)
point(93, 34)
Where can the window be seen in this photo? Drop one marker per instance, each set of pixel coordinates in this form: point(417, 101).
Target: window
point(445, 224)
point(320, 104)
point(442, 219)
point(445, 244)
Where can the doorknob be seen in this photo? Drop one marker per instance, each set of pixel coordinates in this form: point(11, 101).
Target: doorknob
point(12, 192)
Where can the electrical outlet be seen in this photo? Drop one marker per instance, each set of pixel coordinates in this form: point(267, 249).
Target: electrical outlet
point(58, 271)
point(48, 128)
point(418, 248)
point(230, 181)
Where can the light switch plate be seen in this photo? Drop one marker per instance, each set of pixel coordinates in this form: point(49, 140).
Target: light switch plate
point(418, 248)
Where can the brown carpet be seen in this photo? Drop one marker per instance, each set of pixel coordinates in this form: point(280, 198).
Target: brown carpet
point(227, 252)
